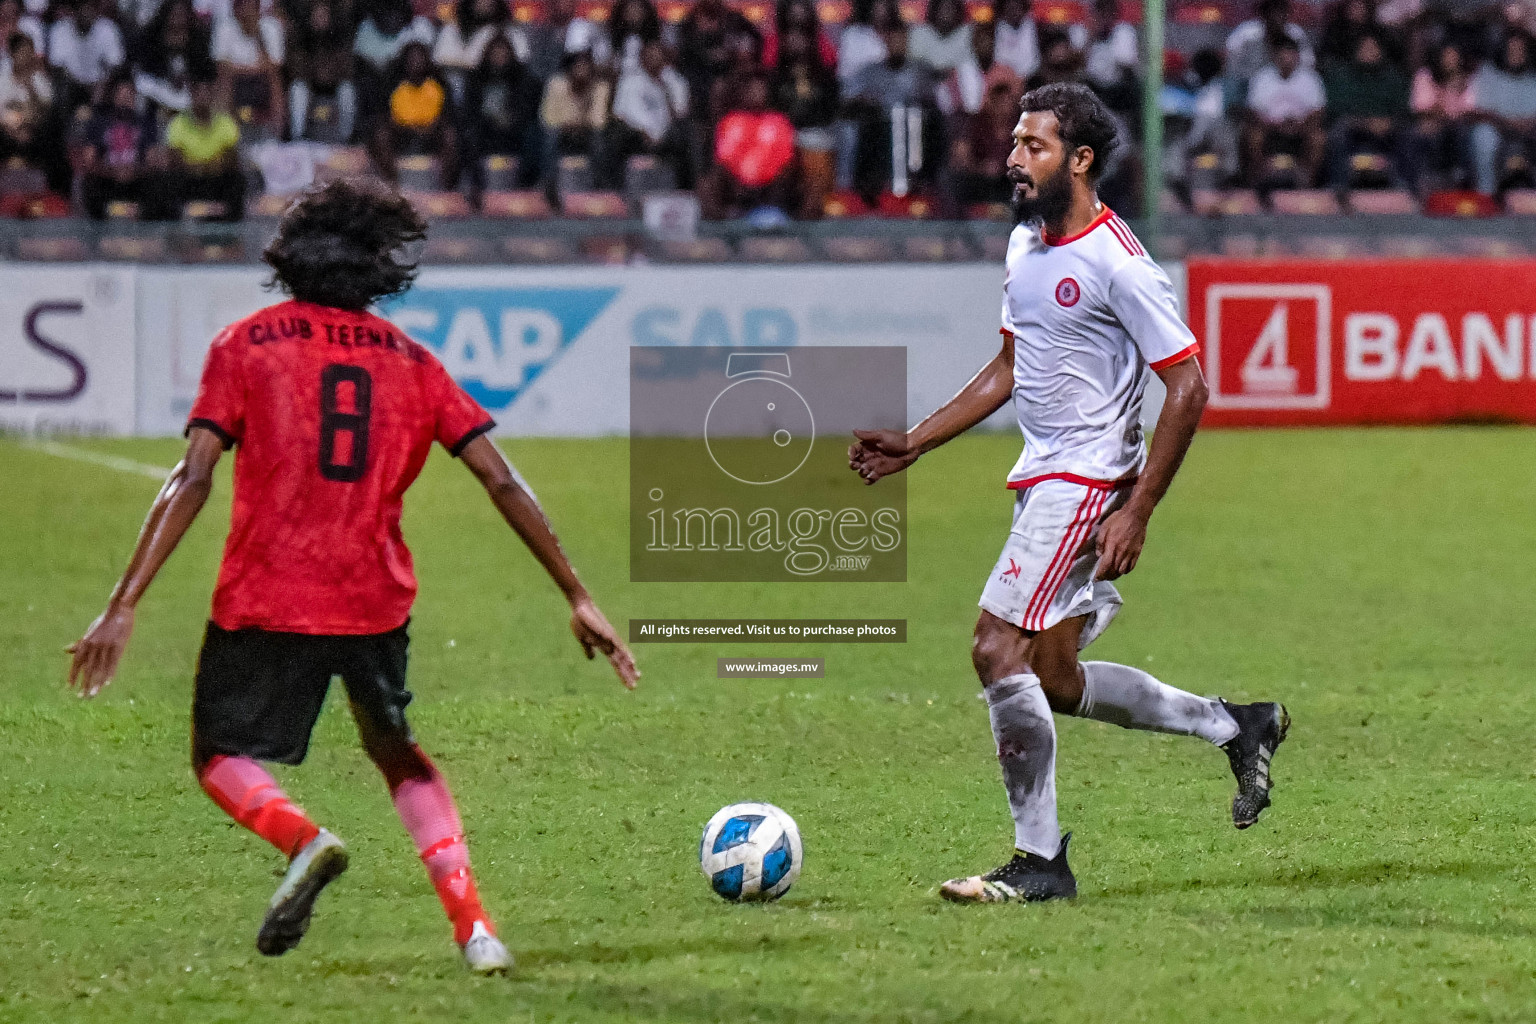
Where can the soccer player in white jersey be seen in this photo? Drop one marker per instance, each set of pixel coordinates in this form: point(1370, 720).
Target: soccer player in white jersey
point(1087, 315)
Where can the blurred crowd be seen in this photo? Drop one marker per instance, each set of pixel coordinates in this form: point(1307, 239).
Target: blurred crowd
point(154, 108)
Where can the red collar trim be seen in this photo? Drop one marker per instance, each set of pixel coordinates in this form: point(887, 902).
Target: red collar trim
point(1045, 236)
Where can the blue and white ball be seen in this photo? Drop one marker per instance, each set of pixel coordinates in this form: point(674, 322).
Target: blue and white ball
point(750, 852)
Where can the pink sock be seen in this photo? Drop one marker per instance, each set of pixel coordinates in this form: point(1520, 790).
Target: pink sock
point(252, 797)
point(427, 809)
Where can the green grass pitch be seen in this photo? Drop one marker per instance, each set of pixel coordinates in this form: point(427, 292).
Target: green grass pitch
point(1376, 581)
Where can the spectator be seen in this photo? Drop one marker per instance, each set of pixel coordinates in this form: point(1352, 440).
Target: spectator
point(1350, 20)
point(14, 18)
point(1251, 46)
point(890, 102)
point(754, 158)
point(249, 48)
point(502, 108)
point(1210, 131)
point(1368, 108)
point(460, 47)
point(26, 101)
point(634, 24)
point(386, 31)
point(574, 112)
point(85, 46)
point(1504, 114)
point(1113, 58)
point(1018, 36)
point(420, 121)
point(322, 99)
point(204, 149)
point(970, 85)
point(804, 86)
point(712, 41)
point(1285, 109)
point(943, 41)
point(1059, 60)
point(1441, 100)
point(979, 156)
point(563, 33)
point(798, 15)
point(863, 40)
point(113, 154)
point(650, 106)
point(171, 51)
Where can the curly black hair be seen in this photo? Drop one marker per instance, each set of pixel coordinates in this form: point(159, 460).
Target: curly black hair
point(343, 244)
point(1082, 119)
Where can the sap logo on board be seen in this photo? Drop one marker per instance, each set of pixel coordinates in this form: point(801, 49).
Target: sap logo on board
point(1268, 346)
point(667, 325)
point(497, 341)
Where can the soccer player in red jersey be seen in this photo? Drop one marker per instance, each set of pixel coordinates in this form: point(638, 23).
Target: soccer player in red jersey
point(334, 412)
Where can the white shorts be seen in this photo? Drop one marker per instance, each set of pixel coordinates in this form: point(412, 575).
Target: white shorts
point(1045, 573)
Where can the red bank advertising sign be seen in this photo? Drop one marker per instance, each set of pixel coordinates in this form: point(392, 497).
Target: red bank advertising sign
point(1396, 341)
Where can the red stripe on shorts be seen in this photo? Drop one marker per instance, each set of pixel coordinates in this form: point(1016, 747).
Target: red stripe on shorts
point(1045, 592)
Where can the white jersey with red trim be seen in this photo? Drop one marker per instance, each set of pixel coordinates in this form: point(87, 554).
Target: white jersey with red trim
point(1088, 315)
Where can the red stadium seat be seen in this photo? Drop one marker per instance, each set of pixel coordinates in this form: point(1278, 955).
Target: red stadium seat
point(1460, 204)
point(1520, 202)
point(1217, 203)
point(594, 205)
point(1315, 202)
point(693, 250)
point(440, 205)
point(60, 248)
point(842, 205)
point(613, 251)
point(519, 204)
point(1383, 202)
point(851, 249)
point(457, 250)
point(536, 249)
point(910, 207)
point(1207, 12)
point(1061, 12)
point(775, 249)
point(935, 249)
point(1491, 247)
point(834, 12)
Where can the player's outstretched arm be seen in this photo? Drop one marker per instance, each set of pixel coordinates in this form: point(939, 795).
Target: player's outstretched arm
point(96, 655)
point(518, 506)
point(879, 453)
point(1125, 531)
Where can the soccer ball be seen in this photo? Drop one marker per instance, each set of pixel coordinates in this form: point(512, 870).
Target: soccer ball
point(750, 852)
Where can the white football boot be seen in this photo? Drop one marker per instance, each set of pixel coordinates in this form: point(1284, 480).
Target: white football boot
point(484, 952)
point(314, 867)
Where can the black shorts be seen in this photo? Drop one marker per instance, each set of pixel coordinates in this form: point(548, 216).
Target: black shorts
point(259, 693)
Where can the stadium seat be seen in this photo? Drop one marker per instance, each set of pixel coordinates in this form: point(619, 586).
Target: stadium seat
point(439, 205)
point(1201, 12)
point(909, 207)
point(457, 250)
point(133, 248)
point(520, 204)
point(1459, 204)
point(268, 206)
point(1411, 247)
point(122, 209)
point(537, 249)
point(758, 13)
point(673, 11)
point(612, 250)
point(1379, 202)
point(589, 205)
point(1333, 247)
point(573, 174)
point(1061, 12)
point(1314, 202)
point(226, 249)
point(843, 205)
point(419, 172)
point(342, 162)
point(204, 209)
point(837, 12)
point(644, 174)
point(499, 173)
point(1233, 203)
point(1370, 170)
point(774, 249)
point(936, 249)
point(322, 123)
point(525, 11)
point(17, 178)
point(53, 248)
point(1520, 202)
point(692, 250)
point(855, 249)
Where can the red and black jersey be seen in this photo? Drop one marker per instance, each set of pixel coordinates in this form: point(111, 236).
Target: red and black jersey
point(334, 413)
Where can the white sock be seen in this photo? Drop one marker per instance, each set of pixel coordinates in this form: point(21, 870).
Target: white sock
point(1129, 697)
point(1026, 749)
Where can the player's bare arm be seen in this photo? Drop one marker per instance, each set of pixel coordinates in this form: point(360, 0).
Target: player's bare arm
point(1125, 531)
point(521, 510)
point(879, 453)
point(97, 654)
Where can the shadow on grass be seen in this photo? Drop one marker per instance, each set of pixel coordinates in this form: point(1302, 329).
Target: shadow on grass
point(643, 952)
point(1320, 876)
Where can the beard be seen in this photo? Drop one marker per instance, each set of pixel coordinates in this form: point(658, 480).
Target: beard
point(1052, 199)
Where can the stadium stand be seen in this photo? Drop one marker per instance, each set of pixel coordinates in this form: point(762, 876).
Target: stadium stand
point(1386, 120)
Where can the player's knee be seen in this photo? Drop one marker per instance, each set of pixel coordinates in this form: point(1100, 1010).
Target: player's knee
point(398, 758)
point(998, 649)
